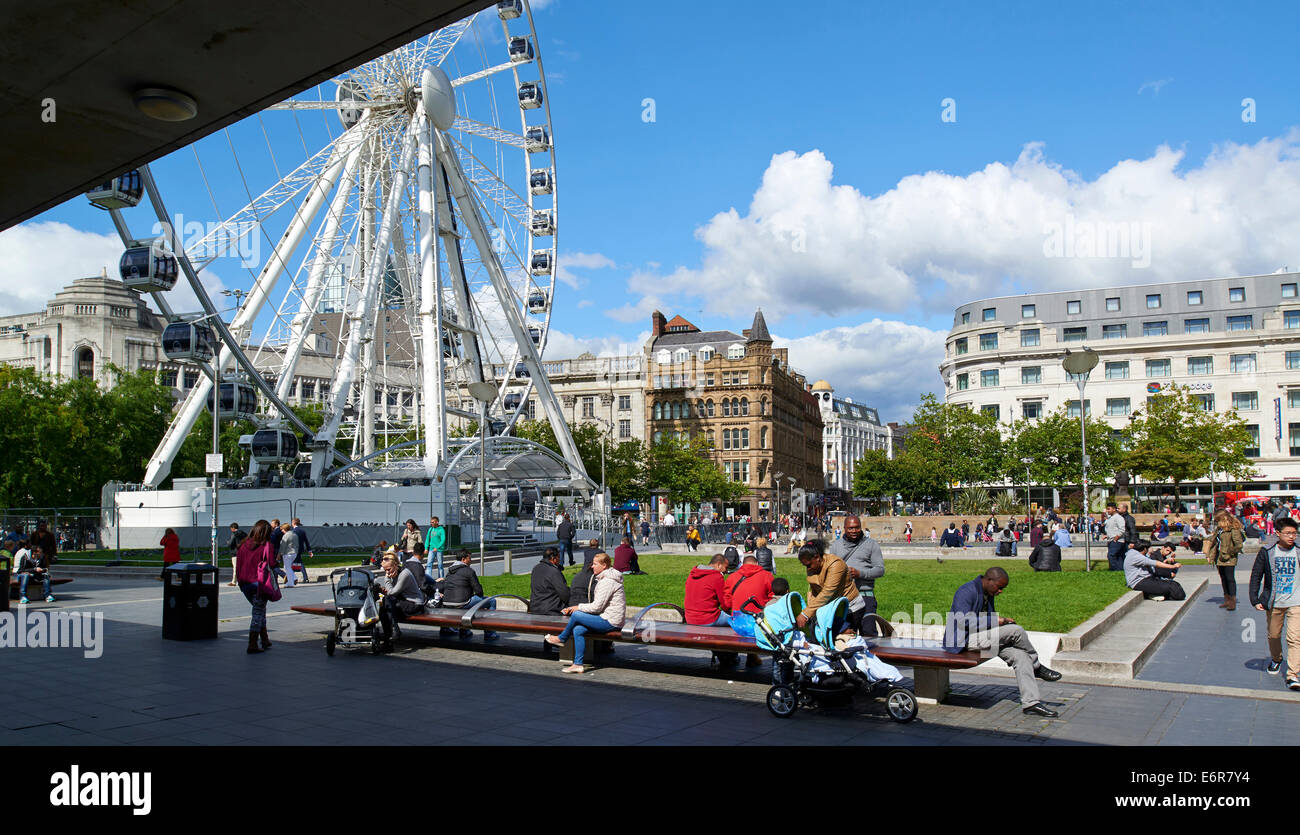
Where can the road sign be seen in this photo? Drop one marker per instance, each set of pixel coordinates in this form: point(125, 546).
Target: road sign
point(214, 462)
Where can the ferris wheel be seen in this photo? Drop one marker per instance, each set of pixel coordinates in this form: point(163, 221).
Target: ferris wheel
point(427, 228)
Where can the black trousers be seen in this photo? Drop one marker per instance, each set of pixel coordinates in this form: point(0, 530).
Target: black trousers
point(393, 611)
point(1155, 587)
point(1228, 577)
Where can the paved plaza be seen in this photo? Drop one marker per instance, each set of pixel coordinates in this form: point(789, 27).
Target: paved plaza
point(1203, 686)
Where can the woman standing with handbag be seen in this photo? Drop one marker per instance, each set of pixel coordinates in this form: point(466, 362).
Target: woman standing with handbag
point(255, 567)
point(1222, 551)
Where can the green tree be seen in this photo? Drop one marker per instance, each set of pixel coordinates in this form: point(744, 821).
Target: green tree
point(954, 442)
point(1056, 436)
point(875, 476)
point(688, 473)
point(624, 462)
point(1175, 440)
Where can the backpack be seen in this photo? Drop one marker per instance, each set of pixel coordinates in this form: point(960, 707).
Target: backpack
point(1004, 548)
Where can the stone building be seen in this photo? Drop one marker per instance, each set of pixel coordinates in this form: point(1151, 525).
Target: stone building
point(849, 430)
point(741, 395)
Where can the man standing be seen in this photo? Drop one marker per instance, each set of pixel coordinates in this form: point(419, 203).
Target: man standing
point(564, 531)
point(645, 532)
point(973, 623)
point(1130, 526)
point(435, 542)
point(237, 538)
point(288, 551)
point(862, 555)
point(669, 521)
point(304, 547)
point(1273, 589)
point(1116, 544)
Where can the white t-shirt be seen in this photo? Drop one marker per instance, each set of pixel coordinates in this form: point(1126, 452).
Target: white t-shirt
point(669, 520)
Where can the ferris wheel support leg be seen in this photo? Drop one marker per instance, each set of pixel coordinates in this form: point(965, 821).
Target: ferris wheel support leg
point(316, 279)
point(161, 463)
point(446, 224)
point(361, 320)
point(434, 399)
point(510, 306)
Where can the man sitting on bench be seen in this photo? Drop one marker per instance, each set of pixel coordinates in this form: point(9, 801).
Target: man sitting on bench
point(1154, 578)
point(402, 596)
point(973, 623)
point(461, 590)
point(33, 564)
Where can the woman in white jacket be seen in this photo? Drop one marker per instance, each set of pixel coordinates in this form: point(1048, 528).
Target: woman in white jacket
point(605, 613)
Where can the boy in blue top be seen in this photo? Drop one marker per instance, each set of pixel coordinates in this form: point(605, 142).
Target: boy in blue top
point(1273, 589)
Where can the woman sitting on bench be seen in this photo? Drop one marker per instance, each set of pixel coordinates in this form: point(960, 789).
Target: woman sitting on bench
point(402, 596)
point(605, 613)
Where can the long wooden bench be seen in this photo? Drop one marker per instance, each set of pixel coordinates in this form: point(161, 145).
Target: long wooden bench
point(930, 662)
point(54, 581)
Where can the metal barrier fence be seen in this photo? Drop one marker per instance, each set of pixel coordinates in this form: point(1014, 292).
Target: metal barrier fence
point(717, 534)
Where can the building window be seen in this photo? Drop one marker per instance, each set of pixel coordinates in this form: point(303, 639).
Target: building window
point(1072, 308)
point(726, 439)
point(992, 409)
point(1028, 311)
point(1155, 328)
point(1117, 370)
point(1293, 399)
point(1245, 401)
point(1236, 294)
point(663, 357)
point(1157, 368)
point(990, 313)
point(965, 318)
point(658, 412)
point(1206, 401)
point(736, 352)
point(726, 407)
point(1119, 331)
point(1032, 410)
point(744, 406)
point(1252, 447)
point(1153, 301)
point(1293, 431)
point(762, 437)
point(744, 439)
point(960, 346)
point(1200, 366)
point(988, 378)
point(588, 407)
point(1029, 338)
point(624, 402)
point(1293, 360)
point(167, 377)
point(1289, 290)
point(1196, 326)
point(1076, 334)
point(1291, 319)
point(1117, 406)
point(988, 342)
point(706, 354)
point(710, 404)
point(1241, 323)
point(624, 429)
point(657, 437)
point(1195, 297)
point(1242, 363)
point(309, 389)
point(1112, 304)
point(191, 379)
point(963, 380)
point(1031, 375)
point(1072, 408)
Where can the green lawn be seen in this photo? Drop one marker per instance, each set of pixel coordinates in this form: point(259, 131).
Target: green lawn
point(1046, 602)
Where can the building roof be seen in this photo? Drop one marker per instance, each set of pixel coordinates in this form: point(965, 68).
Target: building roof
point(855, 411)
point(758, 331)
point(698, 339)
point(822, 385)
point(678, 322)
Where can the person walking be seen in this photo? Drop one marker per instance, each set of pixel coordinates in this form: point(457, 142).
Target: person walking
point(288, 551)
point(1116, 544)
point(1273, 589)
point(255, 555)
point(171, 545)
point(236, 538)
point(604, 613)
point(564, 532)
point(410, 535)
point(1222, 551)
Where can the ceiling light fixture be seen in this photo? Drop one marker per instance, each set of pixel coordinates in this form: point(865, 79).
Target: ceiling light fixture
point(164, 104)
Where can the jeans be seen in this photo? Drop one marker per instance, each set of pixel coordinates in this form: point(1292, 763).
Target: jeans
point(429, 560)
point(254, 595)
point(45, 583)
point(580, 623)
point(488, 635)
point(566, 548)
point(1115, 555)
point(723, 620)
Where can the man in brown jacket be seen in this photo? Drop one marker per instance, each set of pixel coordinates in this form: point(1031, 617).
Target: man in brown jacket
point(828, 579)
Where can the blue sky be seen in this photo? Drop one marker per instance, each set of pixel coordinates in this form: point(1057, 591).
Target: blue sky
point(861, 217)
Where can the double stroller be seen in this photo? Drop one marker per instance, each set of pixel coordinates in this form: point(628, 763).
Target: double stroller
point(808, 670)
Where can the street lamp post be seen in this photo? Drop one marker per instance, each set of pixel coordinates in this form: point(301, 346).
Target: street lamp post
point(1080, 364)
point(1027, 461)
point(776, 479)
point(604, 502)
point(484, 393)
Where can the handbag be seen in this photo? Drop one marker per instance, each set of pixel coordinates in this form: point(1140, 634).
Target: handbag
point(268, 585)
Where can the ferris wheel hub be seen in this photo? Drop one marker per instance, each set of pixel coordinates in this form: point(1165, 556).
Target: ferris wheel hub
point(439, 99)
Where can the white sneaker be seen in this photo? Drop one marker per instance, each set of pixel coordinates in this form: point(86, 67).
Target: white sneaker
point(1159, 598)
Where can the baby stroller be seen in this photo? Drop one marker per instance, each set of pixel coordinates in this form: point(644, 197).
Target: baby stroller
point(356, 616)
point(814, 673)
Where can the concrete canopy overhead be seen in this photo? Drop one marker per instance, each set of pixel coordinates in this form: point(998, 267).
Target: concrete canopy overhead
point(234, 57)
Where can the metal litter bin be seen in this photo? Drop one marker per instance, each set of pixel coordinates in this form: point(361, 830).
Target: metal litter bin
point(189, 601)
point(5, 569)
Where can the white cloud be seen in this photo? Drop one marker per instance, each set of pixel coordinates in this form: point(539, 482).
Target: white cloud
point(808, 244)
point(581, 261)
point(585, 303)
point(884, 364)
point(561, 345)
point(39, 259)
point(1154, 86)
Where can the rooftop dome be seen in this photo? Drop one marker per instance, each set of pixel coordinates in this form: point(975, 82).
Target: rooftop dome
point(822, 385)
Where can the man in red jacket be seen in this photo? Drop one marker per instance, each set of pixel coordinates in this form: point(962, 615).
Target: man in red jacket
point(705, 593)
point(752, 580)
